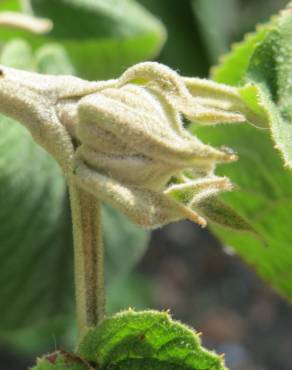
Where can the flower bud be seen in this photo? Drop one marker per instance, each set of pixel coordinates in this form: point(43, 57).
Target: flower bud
point(135, 153)
point(125, 140)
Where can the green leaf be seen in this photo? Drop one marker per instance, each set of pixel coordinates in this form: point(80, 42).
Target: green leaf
point(34, 227)
point(96, 19)
point(222, 22)
point(232, 66)
point(263, 186)
point(263, 196)
point(33, 230)
point(111, 35)
point(146, 340)
point(270, 71)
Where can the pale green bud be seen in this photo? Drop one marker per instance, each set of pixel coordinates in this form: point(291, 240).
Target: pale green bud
point(136, 154)
point(124, 140)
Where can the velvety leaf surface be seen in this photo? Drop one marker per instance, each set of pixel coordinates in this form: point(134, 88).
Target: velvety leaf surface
point(270, 70)
point(146, 340)
point(222, 22)
point(233, 65)
point(263, 196)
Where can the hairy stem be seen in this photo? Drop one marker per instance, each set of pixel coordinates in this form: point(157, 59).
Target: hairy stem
point(89, 258)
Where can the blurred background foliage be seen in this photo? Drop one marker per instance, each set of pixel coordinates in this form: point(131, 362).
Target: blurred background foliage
point(184, 268)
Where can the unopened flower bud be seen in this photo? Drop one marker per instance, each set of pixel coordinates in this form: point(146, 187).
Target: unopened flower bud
point(125, 140)
point(135, 153)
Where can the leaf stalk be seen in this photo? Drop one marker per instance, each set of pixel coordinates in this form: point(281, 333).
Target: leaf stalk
point(88, 259)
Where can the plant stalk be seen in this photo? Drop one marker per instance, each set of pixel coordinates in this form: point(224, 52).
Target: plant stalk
point(88, 258)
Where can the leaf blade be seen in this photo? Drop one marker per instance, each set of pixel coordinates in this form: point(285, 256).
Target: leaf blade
point(146, 338)
point(257, 193)
point(263, 186)
point(233, 65)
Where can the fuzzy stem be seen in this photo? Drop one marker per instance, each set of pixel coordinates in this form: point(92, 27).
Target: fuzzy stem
point(89, 258)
